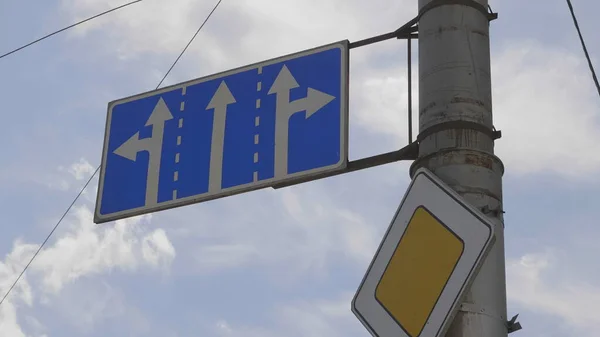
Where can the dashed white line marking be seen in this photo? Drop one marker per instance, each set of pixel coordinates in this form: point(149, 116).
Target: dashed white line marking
point(257, 123)
point(177, 155)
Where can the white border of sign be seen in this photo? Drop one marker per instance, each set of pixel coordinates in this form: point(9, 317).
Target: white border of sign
point(468, 223)
point(304, 175)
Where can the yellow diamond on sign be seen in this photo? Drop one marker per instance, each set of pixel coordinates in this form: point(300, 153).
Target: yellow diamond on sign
point(418, 271)
point(432, 250)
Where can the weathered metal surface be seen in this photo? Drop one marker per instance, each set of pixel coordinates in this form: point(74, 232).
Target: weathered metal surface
point(455, 85)
point(456, 138)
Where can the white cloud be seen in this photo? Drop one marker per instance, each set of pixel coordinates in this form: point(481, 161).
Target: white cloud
point(35, 326)
point(15, 262)
point(9, 270)
point(157, 248)
point(320, 318)
point(547, 109)
point(223, 329)
point(89, 249)
point(150, 26)
point(224, 256)
point(82, 249)
point(86, 307)
point(541, 283)
point(306, 231)
point(544, 102)
point(8, 321)
point(382, 104)
point(66, 178)
point(239, 30)
point(302, 318)
point(82, 169)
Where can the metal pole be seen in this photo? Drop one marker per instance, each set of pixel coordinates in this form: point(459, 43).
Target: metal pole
point(457, 136)
point(409, 77)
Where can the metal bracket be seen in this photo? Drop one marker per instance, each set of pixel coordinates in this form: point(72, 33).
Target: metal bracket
point(410, 29)
point(407, 31)
point(409, 152)
point(513, 325)
point(495, 212)
point(491, 14)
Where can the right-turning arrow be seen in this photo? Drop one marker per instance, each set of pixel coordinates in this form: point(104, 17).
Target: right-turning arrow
point(219, 102)
point(313, 102)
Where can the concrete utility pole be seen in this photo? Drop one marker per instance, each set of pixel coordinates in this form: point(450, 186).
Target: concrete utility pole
point(457, 136)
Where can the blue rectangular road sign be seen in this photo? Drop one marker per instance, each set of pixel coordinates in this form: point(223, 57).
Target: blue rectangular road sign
point(233, 132)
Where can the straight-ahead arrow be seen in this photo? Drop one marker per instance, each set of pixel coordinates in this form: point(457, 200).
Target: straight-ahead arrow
point(313, 102)
point(219, 102)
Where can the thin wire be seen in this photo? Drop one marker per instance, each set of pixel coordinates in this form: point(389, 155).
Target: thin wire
point(585, 51)
point(189, 43)
point(68, 27)
point(48, 237)
point(92, 176)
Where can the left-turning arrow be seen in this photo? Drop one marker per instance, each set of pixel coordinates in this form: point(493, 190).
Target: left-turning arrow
point(153, 145)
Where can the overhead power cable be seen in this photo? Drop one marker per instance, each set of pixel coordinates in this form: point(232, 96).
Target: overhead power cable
point(189, 43)
point(585, 51)
point(97, 169)
point(68, 27)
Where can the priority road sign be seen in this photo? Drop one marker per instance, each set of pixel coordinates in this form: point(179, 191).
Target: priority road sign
point(427, 259)
point(241, 130)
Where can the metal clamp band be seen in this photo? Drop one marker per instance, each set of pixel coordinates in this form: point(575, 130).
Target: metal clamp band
point(470, 3)
point(493, 134)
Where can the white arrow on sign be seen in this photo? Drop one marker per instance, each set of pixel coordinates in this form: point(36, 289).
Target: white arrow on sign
point(219, 102)
point(313, 102)
point(153, 145)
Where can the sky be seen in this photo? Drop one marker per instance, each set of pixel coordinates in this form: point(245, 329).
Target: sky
point(288, 261)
